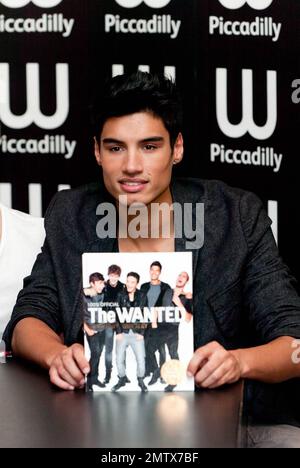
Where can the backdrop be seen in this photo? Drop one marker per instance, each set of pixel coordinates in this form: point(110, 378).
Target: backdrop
point(235, 62)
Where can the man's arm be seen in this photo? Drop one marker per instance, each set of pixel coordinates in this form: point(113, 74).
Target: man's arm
point(273, 307)
point(213, 366)
point(88, 330)
point(37, 323)
point(33, 340)
point(271, 363)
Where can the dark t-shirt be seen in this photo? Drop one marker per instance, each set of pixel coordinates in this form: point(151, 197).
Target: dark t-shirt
point(91, 302)
point(111, 292)
point(153, 294)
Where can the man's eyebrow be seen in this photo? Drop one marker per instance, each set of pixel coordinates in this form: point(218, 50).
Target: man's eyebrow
point(156, 139)
point(113, 141)
point(153, 139)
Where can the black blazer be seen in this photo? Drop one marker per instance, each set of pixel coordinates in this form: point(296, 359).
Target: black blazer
point(243, 293)
point(140, 300)
point(163, 288)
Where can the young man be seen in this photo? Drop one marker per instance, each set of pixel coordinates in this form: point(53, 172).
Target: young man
point(155, 290)
point(113, 287)
point(246, 309)
point(21, 238)
point(95, 334)
point(133, 336)
point(94, 292)
point(169, 332)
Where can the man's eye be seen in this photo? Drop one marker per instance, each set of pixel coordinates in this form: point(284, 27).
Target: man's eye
point(150, 147)
point(115, 149)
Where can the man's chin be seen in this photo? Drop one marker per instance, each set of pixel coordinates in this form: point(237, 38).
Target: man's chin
point(134, 200)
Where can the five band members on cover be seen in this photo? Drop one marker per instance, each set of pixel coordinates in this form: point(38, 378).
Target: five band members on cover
point(147, 341)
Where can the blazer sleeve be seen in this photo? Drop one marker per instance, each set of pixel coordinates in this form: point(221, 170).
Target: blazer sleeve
point(269, 288)
point(39, 296)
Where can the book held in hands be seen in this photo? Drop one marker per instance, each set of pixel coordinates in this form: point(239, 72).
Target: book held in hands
point(138, 321)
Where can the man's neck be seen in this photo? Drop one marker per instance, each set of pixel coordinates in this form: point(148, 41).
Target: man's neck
point(113, 285)
point(155, 282)
point(146, 245)
point(155, 228)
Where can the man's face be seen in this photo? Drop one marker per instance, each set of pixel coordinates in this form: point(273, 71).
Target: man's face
point(137, 158)
point(182, 279)
point(131, 284)
point(154, 273)
point(98, 286)
point(113, 279)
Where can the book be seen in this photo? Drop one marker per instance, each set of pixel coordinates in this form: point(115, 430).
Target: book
point(138, 321)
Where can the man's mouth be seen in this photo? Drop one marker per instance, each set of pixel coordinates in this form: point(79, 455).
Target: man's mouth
point(133, 185)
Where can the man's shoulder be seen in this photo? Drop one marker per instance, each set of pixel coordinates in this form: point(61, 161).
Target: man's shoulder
point(79, 196)
point(79, 203)
point(141, 295)
point(206, 188)
point(213, 192)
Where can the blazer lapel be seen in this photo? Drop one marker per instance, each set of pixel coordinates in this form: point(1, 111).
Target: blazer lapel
point(183, 194)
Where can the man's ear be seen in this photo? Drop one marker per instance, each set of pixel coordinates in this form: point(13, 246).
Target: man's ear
point(97, 152)
point(178, 149)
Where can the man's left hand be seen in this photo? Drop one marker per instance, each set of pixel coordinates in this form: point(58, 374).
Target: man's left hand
point(212, 366)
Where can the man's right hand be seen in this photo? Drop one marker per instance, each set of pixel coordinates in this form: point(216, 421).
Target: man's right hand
point(69, 368)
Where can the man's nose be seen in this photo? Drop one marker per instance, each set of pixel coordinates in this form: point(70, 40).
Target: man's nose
point(133, 162)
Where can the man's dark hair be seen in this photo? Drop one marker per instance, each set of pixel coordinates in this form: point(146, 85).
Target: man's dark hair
point(96, 277)
point(135, 275)
point(139, 92)
point(114, 270)
point(158, 264)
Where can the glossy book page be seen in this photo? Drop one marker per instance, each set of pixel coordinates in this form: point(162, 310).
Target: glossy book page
point(138, 321)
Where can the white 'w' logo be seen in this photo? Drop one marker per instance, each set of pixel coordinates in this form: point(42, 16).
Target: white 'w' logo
point(33, 113)
point(22, 3)
point(247, 123)
point(256, 4)
point(149, 3)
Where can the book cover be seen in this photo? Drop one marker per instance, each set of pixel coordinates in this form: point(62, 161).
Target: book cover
point(138, 321)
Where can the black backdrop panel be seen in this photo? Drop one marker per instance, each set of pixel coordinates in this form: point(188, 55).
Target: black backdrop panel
point(235, 62)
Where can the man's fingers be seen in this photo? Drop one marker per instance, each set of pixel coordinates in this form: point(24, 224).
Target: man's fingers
point(196, 362)
point(226, 379)
point(201, 356)
point(58, 381)
point(65, 374)
point(212, 366)
point(83, 364)
point(68, 369)
point(214, 373)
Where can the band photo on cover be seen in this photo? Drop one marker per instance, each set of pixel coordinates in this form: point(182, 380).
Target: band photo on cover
point(138, 321)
